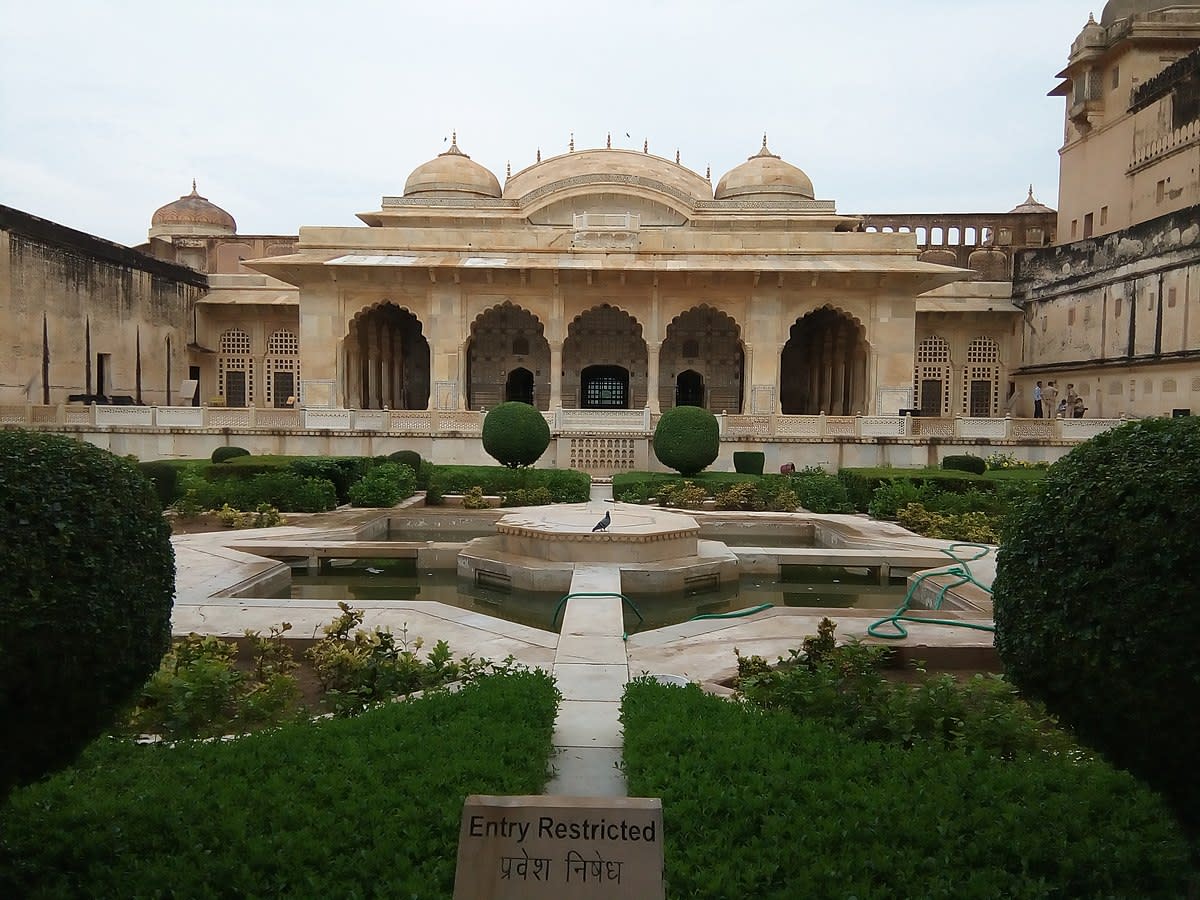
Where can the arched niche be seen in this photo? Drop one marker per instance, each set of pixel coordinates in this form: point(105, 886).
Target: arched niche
point(823, 367)
point(387, 360)
point(707, 341)
point(505, 338)
point(604, 336)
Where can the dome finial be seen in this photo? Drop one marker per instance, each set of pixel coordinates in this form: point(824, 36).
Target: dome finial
point(646, 146)
point(539, 154)
point(764, 146)
point(194, 194)
point(608, 142)
point(508, 170)
point(708, 172)
point(676, 156)
point(571, 145)
point(1031, 200)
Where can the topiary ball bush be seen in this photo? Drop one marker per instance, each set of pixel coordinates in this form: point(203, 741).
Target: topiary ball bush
point(1095, 598)
point(687, 439)
point(224, 454)
point(515, 434)
point(965, 463)
point(86, 580)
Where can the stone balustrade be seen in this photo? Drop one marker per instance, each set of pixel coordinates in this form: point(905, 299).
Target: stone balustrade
point(565, 422)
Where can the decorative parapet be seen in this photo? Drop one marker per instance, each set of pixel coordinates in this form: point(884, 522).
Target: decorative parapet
point(634, 424)
point(1172, 142)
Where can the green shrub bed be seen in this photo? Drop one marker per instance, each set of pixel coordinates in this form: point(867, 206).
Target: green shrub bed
point(811, 489)
point(563, 485)
point(339, 808)
point(767, 805)
point(282, 489)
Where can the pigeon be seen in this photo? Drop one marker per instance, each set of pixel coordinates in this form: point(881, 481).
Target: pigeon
point(374, 571)
point(603, 524)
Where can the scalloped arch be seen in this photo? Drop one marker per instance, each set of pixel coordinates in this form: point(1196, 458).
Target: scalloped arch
point(858, 323)
point(636, 324)
point(504, 306)
point(352, 325)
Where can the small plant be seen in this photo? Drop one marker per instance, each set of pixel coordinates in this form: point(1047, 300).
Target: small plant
point(682, 495)
point(188, 506)
point(474, 499)
point(819, 492)
point(743, 496)
point(535, 496)
point(383, 486)
point(965, 463)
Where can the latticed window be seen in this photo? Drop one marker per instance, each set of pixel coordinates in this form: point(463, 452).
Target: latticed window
point(981, 378)
point(235, 369)
point(282, 367)
point(931, 377)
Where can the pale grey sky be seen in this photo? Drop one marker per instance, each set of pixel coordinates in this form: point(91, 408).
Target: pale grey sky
point(304, 113)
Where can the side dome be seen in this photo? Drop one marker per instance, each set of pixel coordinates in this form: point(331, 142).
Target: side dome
point(764, 176)
point(1030, 205)
point(191, 214)
point(451, 174)
point(1125, 9)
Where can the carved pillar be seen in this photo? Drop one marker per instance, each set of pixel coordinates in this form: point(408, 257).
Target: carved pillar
point(747, 368)
point(841, 363)
point(652, 377)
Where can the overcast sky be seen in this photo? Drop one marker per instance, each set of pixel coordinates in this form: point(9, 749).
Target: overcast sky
point(305, 113)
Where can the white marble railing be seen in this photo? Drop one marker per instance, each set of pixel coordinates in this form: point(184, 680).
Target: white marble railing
point(572, 422)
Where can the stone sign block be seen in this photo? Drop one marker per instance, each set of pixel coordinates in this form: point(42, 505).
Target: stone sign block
point(561, 847)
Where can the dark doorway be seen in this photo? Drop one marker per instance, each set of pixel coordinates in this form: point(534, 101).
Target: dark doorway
point(519, 386)
point(931, 397)
point(689, 389)
point(194, 375)
point(235, 388)
point(604, 387)
point(103, 365)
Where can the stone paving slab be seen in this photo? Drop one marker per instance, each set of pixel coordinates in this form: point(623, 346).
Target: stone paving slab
point(588, 723)
point(579, 681)
point(588, 772)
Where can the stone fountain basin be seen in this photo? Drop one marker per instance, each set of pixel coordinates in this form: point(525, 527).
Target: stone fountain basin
point(564, 534)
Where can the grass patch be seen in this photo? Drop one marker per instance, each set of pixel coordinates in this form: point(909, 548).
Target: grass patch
point(763, 804)
point(358, 807)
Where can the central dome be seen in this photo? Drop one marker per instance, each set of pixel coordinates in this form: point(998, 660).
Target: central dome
point(1124, 9)
point(451, 174)
point(191, 214)
point(764, 176)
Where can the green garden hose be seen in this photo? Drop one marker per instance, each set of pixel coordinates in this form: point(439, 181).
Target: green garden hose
point(734, 615)
point(563, 602)
point(962, 570)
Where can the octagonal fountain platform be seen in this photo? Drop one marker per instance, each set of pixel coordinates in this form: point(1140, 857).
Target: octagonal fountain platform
point(656, 551)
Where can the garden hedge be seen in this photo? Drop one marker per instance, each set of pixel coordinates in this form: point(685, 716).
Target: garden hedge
point(224, 454)
point(1095, 597)
point(965, 463)
point(515, 434)
point(687, 439)
point(165, 478)
point(749, 462)
point(87, 577)
point(564, 485)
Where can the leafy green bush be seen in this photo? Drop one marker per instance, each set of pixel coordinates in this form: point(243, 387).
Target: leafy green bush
point(284, 490)
point(892, 496)
point(972, 527)
point(749, 462)
point(87, 577)
point(384, 486)
point(224, 454)
point(255, 817)
point(474, 499)
point(687, 439)
point(343, 472)
point(739, 496)
point(1093, 595)
point(535, 496)
point(861, 484)
point(564, 485)
point(819, 492)
point(515, 434)
point(165, 478)
point(682, 495)
point(263, 516)
point(765, 804)
point(965, 463)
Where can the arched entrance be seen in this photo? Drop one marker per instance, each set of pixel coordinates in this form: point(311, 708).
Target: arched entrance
point(606, 345)
point(519, 386)
point(504, 340)
point(823, 367)
point(689, 389)
point(706, 342)
point(387, 360)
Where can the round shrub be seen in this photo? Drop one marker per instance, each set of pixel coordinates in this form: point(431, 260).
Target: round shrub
point(224, 454)
point(515, 434)
point(87, 577)
point(966, 463)
point(1095, 593)
point(687, 439)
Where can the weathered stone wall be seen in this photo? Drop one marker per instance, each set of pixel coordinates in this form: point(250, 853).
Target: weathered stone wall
point(1118, 316)
point(81, 315)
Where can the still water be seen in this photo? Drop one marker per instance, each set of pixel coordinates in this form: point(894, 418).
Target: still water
point(391, 579)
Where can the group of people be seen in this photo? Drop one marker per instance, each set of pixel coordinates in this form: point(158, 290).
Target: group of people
point(1046, 400)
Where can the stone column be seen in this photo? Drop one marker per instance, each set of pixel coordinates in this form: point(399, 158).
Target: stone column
point(747, 369)
point(556, 364)
point(841, 363)
point(463, 388)
point(652, 377)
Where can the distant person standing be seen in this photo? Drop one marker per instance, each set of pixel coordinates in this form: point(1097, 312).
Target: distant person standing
point(1050, 399)
point(1037, 400)
point(1079, 409)
point(1072, 396)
